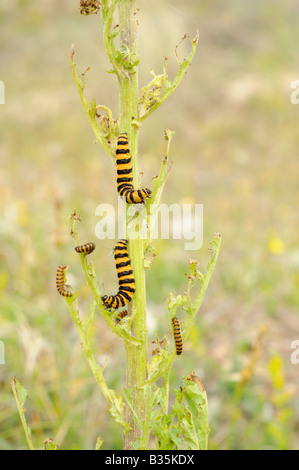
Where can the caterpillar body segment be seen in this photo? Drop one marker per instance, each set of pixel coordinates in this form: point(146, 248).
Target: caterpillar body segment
point(124, 174)
point(87, 248)
point(125, 276)
point(63, 290)
point(121, 315)
point(177, 335)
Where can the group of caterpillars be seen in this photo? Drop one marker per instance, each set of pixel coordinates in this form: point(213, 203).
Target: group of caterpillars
point(126, 279)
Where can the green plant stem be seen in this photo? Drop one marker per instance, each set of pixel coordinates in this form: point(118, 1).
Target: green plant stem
point(91, 279)
point(130, 381)
point(108, 36)
point(93, 284)
point(166, 387)
point(95, 368)
point(152, 204)
point(170, 87)
point(128, 92)
point(193, 308)
point(21, 410)
point(136, 413)
point(88, 111)
point(146, 428)
point(204, 285)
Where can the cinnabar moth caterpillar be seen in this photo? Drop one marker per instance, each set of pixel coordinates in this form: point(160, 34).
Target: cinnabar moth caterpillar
point(121, 315)
point(87, 248)
point(126, 279)
point(177, 336)
point(60, 281)
point(124, 174)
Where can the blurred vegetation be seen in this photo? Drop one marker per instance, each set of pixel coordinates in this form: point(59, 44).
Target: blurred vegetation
point(235, 151)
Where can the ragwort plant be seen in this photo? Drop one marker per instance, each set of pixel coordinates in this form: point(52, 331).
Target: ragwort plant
point(142, 407)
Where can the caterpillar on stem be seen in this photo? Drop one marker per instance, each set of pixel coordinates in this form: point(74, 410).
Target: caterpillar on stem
point(125, 276)
point(124, 174)
point(62, 288)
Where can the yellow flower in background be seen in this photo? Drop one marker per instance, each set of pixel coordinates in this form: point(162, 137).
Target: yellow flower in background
point(243, 187)
point(275, 367)
point(3, 280)
point(22, 212)
point(276, 246)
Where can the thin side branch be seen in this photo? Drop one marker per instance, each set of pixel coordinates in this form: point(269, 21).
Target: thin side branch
point(91, 279)
point(193, 308)
point(96, 369)
point(170, 87)
point(89, 111)
point(152, 204)
point(21, 396)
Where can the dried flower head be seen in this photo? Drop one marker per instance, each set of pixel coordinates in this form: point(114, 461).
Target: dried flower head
point(88, 7)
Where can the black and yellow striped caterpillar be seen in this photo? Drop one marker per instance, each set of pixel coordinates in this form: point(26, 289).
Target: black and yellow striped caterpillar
point(126, 279)
point(121, 315)
point(60, 281)
point(124, 174)
point(177, 336)
point(87, 248)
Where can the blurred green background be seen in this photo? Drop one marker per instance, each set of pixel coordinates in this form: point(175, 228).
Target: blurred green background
point(235, 151)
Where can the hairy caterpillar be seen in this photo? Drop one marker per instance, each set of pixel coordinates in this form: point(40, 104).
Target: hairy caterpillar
point(87, 248)
point(125, 276)
point(121, 315)
point(60, 281)
point(177, 336)
point(124, 174)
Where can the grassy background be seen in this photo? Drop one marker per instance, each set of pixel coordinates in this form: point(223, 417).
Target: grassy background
point(235, 151)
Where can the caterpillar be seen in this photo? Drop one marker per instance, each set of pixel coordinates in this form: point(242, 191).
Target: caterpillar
point(121, 315)
point(60, 281)
point(124, 174)
point(125, 276)
point(177, 336)
point(87, 248)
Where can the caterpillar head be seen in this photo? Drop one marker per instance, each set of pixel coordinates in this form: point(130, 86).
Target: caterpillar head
point(106, 299)
point(148, 192)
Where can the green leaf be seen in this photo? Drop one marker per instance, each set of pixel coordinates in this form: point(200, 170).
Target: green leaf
point(215, 247)
point(149, 256)
point(22, 392)
point(21, 395)
point(117, 410)
point(128, 395)
point(189, 433)
point(197, 401)
point(173, 303)
point(99, 443)
point(136, 444)
point(49, 444)
point(93, 106)
point(186, 427)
